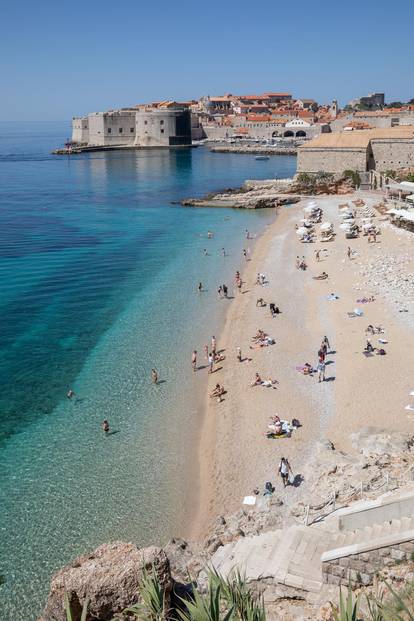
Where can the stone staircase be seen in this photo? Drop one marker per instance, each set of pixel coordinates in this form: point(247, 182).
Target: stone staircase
point(306, 557)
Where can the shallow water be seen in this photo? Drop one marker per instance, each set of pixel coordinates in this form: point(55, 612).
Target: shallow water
point(98, 277)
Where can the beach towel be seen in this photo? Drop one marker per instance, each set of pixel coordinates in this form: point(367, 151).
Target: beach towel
point(249, 500)
point(358, 312)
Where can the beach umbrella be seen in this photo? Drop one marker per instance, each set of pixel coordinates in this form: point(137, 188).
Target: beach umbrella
point(302, 231)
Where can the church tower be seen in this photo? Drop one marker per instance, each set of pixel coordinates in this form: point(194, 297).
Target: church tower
point(334, 108)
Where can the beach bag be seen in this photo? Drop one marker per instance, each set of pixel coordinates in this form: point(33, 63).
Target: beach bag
point(295, 422)
point(382, 352)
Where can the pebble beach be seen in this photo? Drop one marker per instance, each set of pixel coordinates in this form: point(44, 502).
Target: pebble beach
point(235, 456)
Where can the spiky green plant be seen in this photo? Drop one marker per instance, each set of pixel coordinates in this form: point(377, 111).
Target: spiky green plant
point(348, 609)
point(237, 594)
point(152, 607)
point(399, 608)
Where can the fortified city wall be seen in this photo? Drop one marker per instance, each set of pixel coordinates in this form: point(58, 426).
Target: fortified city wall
point(332, 160)
point(392, 154)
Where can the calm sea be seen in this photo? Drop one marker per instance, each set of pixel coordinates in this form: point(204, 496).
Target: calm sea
point(98, 277)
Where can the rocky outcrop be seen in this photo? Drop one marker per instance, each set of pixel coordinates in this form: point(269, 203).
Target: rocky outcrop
point(109, 578)
point(268, 193)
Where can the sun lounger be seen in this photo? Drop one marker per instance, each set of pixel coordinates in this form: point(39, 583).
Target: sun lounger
point(409, 407)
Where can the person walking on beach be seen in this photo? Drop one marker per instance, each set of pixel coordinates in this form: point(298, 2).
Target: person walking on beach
point(206, 351)
point(245, 253)
point(213, 345)
point(318, 255)
point(154, 376)
point(194, 360)
point(105, 426)
point(205, 252)
point(223, 252)
point(220, 292)
point(247, 234)
point(239, 354)
point(284, 471)
point(349, 252)
point(321, 369)
point(225, 290)
point(210, 362)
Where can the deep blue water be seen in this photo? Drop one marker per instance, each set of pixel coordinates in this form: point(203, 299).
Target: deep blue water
point(98, 275)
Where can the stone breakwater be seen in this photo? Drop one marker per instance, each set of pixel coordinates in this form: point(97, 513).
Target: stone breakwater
point(109, 578)
point(256, 150)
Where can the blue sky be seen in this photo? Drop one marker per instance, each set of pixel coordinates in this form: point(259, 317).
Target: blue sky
point(59, 59)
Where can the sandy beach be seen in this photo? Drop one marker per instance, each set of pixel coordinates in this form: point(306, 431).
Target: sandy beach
point(234, 455)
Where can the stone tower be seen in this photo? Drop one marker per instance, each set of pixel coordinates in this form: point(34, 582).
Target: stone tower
point(334, 108)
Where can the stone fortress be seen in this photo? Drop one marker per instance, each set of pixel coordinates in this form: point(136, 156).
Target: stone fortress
point(167, 125)
point(380, 149)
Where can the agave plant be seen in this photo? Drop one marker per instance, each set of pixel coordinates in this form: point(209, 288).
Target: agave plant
point(153, 606)
point(348, 609)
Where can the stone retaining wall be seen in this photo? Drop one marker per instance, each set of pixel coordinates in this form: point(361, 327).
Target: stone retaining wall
point(361, 568)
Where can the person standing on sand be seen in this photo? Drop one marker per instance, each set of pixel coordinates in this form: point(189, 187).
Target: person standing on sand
point(318, 255)
point(210, 362)
point(349, 252)
point(325, 344)
point(223, 252)
point(194, 360)
point(239, 354)
point(206, 351)
point(245, 253)
point(284, 470)
point(213, 345)
point(247, 234)
point(200, 287)
point(321, 369)
point(154, 376)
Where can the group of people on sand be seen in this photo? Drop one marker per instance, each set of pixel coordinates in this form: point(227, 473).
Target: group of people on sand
point(212, 356)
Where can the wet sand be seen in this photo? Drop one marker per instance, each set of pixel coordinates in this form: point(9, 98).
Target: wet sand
point(234, 454)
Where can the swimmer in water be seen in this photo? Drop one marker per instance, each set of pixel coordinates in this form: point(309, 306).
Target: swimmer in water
point(105, 426)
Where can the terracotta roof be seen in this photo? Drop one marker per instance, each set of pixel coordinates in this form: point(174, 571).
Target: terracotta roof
point(358, 139)
point(278, 94)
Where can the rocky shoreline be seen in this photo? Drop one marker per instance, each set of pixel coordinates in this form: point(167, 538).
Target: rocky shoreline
point(109, 578)
point(269, 193)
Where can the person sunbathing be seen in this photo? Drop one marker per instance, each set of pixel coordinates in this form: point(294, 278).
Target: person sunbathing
point(217, 393)
point(218, 357)
point(268, 340)
point(257, 380)
point(322, 276)
point(260, 335)
point(369, 348)
point(305, 369)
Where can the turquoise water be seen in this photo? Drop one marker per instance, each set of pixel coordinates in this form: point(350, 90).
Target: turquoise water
point(98, 276)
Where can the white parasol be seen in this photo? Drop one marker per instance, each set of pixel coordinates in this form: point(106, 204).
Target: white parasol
point(302, 231)
point(326, 226)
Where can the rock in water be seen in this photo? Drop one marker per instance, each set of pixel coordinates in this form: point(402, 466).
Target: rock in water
point(109, 578)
